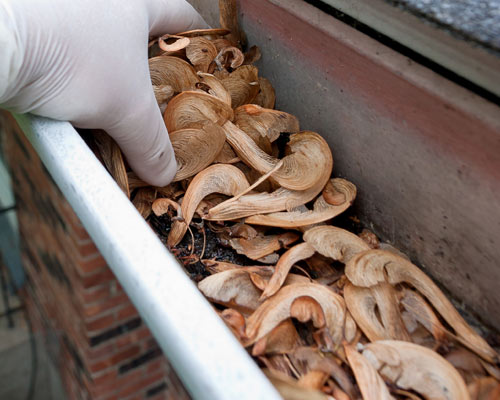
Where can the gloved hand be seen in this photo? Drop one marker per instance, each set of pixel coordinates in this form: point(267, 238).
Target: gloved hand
point(85, 61)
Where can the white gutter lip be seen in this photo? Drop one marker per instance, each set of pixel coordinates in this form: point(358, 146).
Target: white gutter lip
point(205, 354)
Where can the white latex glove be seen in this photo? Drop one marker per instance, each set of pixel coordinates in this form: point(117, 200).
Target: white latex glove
point(85, 61)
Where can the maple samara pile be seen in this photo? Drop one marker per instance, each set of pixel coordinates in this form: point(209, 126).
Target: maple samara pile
point(325, 312)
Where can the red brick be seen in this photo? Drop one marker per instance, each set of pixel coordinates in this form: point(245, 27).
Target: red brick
point(133, 337)
point(111, 388)
point(100, 323)
point(155, 366)
point(115, 359)
point(88, 249)
point(126, 312)
point(99, 351)
point(99, 307)
point(96, 293)
point(106, 378)
point(86, 267)
point(156, 378)
point(97, 278)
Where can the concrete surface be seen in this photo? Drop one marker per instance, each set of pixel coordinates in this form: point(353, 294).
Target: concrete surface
point(16, 351)
point(475, 20)
point(16, 361)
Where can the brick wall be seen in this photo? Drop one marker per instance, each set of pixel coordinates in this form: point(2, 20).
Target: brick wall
point(105, 349)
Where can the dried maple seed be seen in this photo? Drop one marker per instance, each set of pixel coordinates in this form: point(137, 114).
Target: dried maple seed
point(376, 311)
point(302, 169)
point(372, 267)
point(201, 53)
point(264, 125)
point(172, 71)
point(285, 263)
point(242, 84)
point(211, 32)
point(370, 383)
point(336, 243)
point(162, 206)
point(196, 149)
point(278, 308)
point(112, 158)
point(281, 340)
point(213, 86)
point(262, 203)
point(232, 288)
point(410, 366)
point(262, 245)
point(322, 210)
point(266, 97)
point(229, 56)
point(172, 43)
point(218, 178)
point(189, 108)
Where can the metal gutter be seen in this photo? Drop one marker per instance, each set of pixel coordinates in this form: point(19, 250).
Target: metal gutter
point(464, 58)
point(205, 354)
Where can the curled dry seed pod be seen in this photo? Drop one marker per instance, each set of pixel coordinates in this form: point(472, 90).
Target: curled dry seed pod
point(363, 304)
point(264, 122)
point(201, 53)
point(190, 108)
point(215, 267)
point(266, 97)
point(278, 308)
point(285, 263)
point(322, 210)
point(163, 94)
point(264, 125)
point(252, 55)
point(263, 279)
point(336, 243)
point(415, 367)
point(211, 32)
point(242, 84)
point(370, 383)
point(172, 71)
point(281, 340)
point(218, 178)
point(211, 85)
point(485, 388)
point(371, 267)
point(418, 309)
point(261, 203)
point(226, 155)
point(172, 43)
point(112, 158)
point(262, 245)
point(229, 56)
point(334, 195)
point(289, 389)
point(195, 149)
point(232, 288)
point(236, 322)
point(304, 166)
point(313, 379)
point(221, 43)
point(143, 200)
point(161, 206)
point(314, 359)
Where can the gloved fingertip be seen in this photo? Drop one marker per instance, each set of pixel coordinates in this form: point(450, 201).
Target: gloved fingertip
point(158, 173)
